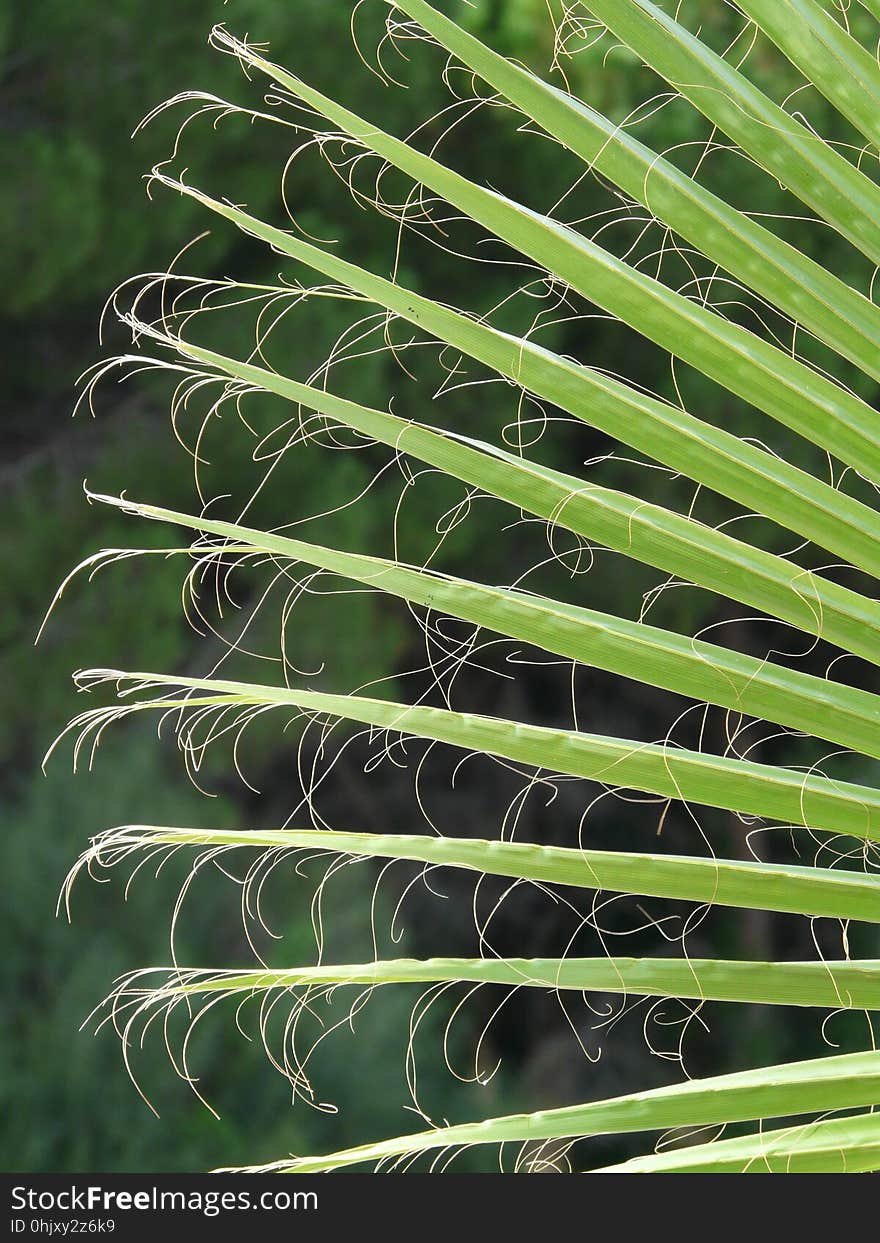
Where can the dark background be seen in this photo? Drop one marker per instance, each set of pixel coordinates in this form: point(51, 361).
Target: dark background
point(75, 222)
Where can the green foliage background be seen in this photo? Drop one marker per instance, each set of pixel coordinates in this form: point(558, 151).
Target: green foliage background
point(75, 80)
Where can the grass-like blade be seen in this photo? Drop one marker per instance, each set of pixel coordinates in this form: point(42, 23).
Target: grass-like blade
point(846, 1082)
point(838, 1146)
point(787, 888)
point(831, 985)
point(828, 57)
point(781, 794)
point(705, 671)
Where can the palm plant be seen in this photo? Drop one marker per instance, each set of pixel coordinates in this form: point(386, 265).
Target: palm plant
point(842, 816)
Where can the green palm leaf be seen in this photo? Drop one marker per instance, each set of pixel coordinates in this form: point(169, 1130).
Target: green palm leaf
point(773, 1092)
point(649, 533)
point(817, 802)
point(768, 378)
point(762, 373)
point(838, 315)
point(841, 714)
point(841, 1146)
point(820, 176)
point(835, 985)
point(704, 453)
point(829, 58)
point(833, 892)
